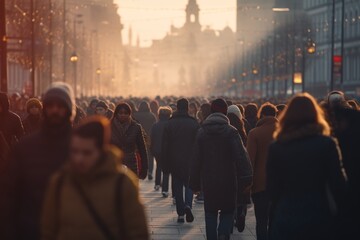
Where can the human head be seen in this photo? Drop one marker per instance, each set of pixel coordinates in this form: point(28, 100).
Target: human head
point(219, 106)
point(235, 110)
point(302, 110)
point(4, 102)
point(164, 113)
point(251, 111)
point(123, 112)
point(154, 106)
point(267, 110)
point(336, 99)
point(93, 103)
point(242, 109)
point(101, 108)
point(59, 105)
point(144, 107)
point(182, 105)
point(205, 111)
point(33, 106)
point(193, 108)
point(88, 143)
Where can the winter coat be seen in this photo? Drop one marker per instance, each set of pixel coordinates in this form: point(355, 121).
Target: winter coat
point(33, 162)
point(133, 140)
point(10, 123)
point(178, 145)
point(156, 137)
point(221, 164)
point(32, 124)
point(258, 143)
point(146, 119)
point(305, 182)
point(65, 216)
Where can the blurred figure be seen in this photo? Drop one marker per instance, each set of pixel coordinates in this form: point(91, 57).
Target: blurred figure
point(102, 109)
point(251, 111)
point(128, 135)
point(205, 111)
point(32, 122)
point(79, 117)
point(305, 179)
point(193, 110)
point(219, 150)
point(93, 197)
point(92, 107)
point(34, 160)
point(354, 105)
point(280, 108)
point(236, 121)
point(157, 133)
point(258, 143)
point(154, 106)
point(177, 152)
point(147, 119)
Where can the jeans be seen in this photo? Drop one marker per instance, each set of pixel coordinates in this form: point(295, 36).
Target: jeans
point(223, 230)
point(261, 207)
point(165, 178)
point(178, 191)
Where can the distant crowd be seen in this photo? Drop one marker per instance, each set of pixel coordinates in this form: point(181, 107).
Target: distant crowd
point(70, 168)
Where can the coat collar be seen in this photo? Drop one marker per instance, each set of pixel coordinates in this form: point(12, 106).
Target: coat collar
point(266, 121)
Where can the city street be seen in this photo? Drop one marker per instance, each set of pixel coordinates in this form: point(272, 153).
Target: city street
point(162, 218)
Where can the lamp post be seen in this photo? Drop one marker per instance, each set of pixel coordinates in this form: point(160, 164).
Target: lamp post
point(74, 59)
point(309, 48)
point(98, 73)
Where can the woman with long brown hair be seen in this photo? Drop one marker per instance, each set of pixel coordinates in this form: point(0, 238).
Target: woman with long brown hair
point(305, 179)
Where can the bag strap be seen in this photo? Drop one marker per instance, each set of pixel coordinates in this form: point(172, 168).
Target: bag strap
point(119, 205)
point(99, 222)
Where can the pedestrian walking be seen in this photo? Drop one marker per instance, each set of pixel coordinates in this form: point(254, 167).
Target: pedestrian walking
point(258, 143)
point(177, 154)
point(305, 179)
point(251, 111)
point(33, 162)
point(128, 135)
point(222, 167)
point(32, 122)
point(92, 196)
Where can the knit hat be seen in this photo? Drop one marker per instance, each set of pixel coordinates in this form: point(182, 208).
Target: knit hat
point(219, 106)
point(63, 92)
point(102, 104)
point(33, 102)
point(235, 110)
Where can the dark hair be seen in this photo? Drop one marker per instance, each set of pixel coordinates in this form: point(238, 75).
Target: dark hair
point(251, 111)
point(123, 106)
point(182, 104)
point(97, 128)
point(205, 110)
point(267, 110)
point(144, 107)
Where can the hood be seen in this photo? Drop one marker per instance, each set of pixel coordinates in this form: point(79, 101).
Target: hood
point(63, 92)
point(266, 121)
point(216, 123)
point(4, 102)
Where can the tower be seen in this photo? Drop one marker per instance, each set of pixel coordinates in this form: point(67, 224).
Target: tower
point(192, 17)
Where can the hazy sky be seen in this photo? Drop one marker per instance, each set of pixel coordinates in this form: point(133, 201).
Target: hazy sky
point(151, 19)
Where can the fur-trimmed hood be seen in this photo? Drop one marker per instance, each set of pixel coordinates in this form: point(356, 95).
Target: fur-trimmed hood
point(305, 131)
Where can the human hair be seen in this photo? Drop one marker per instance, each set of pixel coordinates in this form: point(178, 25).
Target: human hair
point(302, 110)
point(123, 106)
point(251, 111)
point(205, 110)
point(267, 110)
point(239, 125)
point(144, 107)
point(354, 105)
point(182, 104)
point(193, 105)
point(242, 109)
point(164, 112)
point(97, 128)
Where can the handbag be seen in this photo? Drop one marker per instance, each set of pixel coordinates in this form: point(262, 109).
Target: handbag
point(94, 214)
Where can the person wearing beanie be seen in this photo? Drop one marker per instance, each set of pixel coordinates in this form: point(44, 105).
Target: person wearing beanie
point(34, 160)
point(32, 122)
point(177, 154)
point(221, 168)
point(128, 135)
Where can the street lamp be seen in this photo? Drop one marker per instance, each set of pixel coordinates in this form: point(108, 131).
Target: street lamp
point(309, 48)
point(74, 59)
point(98, 72)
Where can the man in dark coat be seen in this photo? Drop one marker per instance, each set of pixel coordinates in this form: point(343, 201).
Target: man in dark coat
point(177, 154)
point(223, 168)
point(33, 161)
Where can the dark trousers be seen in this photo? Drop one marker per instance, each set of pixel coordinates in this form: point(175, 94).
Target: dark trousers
point(221, 231)
point(261, 207)
point(151, 163)
point(178, 191)
point(165, 177)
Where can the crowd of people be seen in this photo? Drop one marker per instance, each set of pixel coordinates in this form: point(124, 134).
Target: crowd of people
point(70, 168)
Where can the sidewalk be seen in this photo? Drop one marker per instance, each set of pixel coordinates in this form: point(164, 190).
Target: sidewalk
point(162, 218)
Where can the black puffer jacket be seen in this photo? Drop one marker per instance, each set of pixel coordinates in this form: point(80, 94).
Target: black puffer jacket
point(178, 145)
point(130, 141)
point(222, 164)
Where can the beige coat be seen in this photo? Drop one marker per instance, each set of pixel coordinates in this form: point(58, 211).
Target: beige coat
point(257, 146)
point(69, 219)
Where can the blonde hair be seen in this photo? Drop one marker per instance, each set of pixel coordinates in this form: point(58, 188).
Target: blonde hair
point(302, 110)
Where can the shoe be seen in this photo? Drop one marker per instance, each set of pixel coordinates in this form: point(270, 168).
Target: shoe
point(165, 194)
point(180, 219)
point(150, 177)
point(189, 215)
point(157, 187)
